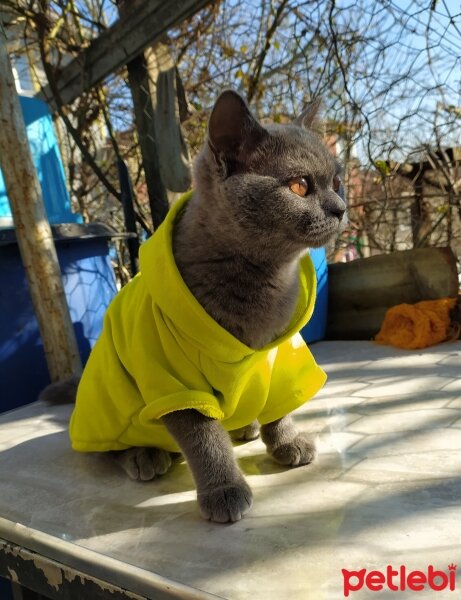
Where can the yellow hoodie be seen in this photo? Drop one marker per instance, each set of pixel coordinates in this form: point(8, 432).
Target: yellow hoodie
point(160, 352)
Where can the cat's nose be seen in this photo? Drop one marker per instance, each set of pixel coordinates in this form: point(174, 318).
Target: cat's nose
point(336, 207)
point(338, 212)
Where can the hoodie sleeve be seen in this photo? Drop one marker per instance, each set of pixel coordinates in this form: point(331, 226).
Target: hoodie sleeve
point(166, 368)
point(296, 378)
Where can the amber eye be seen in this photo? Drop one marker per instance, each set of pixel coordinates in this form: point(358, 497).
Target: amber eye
point(336, 183)
point(299, 186)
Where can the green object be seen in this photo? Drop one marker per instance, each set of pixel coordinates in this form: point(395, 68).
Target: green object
point(161, 352)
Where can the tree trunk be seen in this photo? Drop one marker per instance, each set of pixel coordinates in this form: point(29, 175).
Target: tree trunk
point(165, 157)
point(33, 231)
point(138, 78)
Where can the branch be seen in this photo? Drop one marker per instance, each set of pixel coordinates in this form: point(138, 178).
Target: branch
point(260, 62)
point(59, 104)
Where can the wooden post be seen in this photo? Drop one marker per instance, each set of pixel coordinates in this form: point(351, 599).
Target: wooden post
point(420, 213)
point(33, 231)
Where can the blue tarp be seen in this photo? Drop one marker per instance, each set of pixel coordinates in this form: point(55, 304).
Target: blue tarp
point(48, 163)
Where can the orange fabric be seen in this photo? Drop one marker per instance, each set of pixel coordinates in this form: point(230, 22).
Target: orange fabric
point(412, 326)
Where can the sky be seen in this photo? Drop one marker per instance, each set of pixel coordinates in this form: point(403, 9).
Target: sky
point(417, 68)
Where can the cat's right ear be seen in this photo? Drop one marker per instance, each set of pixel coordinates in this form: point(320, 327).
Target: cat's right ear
point(233, 132)
point(308, 118)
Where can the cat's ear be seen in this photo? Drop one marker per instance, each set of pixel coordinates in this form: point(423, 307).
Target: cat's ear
point(233, 132)
point(308, 118)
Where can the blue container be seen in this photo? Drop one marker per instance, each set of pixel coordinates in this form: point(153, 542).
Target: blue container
point(315, 330)
point(48, 163)
point(89, 284)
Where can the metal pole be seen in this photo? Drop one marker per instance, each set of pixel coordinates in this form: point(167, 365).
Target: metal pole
point(128, 212)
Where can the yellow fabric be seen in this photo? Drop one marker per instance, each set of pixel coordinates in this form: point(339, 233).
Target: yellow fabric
point(412, 326)
point(160, 351)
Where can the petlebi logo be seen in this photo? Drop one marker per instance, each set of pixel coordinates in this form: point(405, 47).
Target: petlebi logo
point(400, 579)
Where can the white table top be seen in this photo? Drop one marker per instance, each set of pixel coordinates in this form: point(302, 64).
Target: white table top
point(385, 489)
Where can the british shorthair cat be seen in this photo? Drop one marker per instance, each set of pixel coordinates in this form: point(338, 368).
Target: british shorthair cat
point(204, 341)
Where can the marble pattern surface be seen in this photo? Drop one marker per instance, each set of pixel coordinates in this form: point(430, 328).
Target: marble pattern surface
point(385, 489)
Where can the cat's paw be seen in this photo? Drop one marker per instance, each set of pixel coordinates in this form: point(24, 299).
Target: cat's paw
point(143, 464)
point(247, 433)
point(300, 451)
point(226, 503)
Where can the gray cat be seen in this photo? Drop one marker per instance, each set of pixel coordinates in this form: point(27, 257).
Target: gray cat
point(262, 196)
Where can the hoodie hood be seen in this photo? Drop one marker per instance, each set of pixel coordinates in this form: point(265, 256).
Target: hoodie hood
point(177, 303)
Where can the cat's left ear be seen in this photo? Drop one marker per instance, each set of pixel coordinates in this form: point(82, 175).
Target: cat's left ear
point(308, 118)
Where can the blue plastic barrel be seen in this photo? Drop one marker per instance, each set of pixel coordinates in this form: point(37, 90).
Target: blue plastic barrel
point(89, 284)
point(315, 330)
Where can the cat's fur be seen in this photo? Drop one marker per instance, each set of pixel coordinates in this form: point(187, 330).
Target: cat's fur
point(237, 247)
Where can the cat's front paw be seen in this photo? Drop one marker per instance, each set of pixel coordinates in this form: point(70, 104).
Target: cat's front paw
point(226, 503)
point(143, 464)
point(300, 451)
